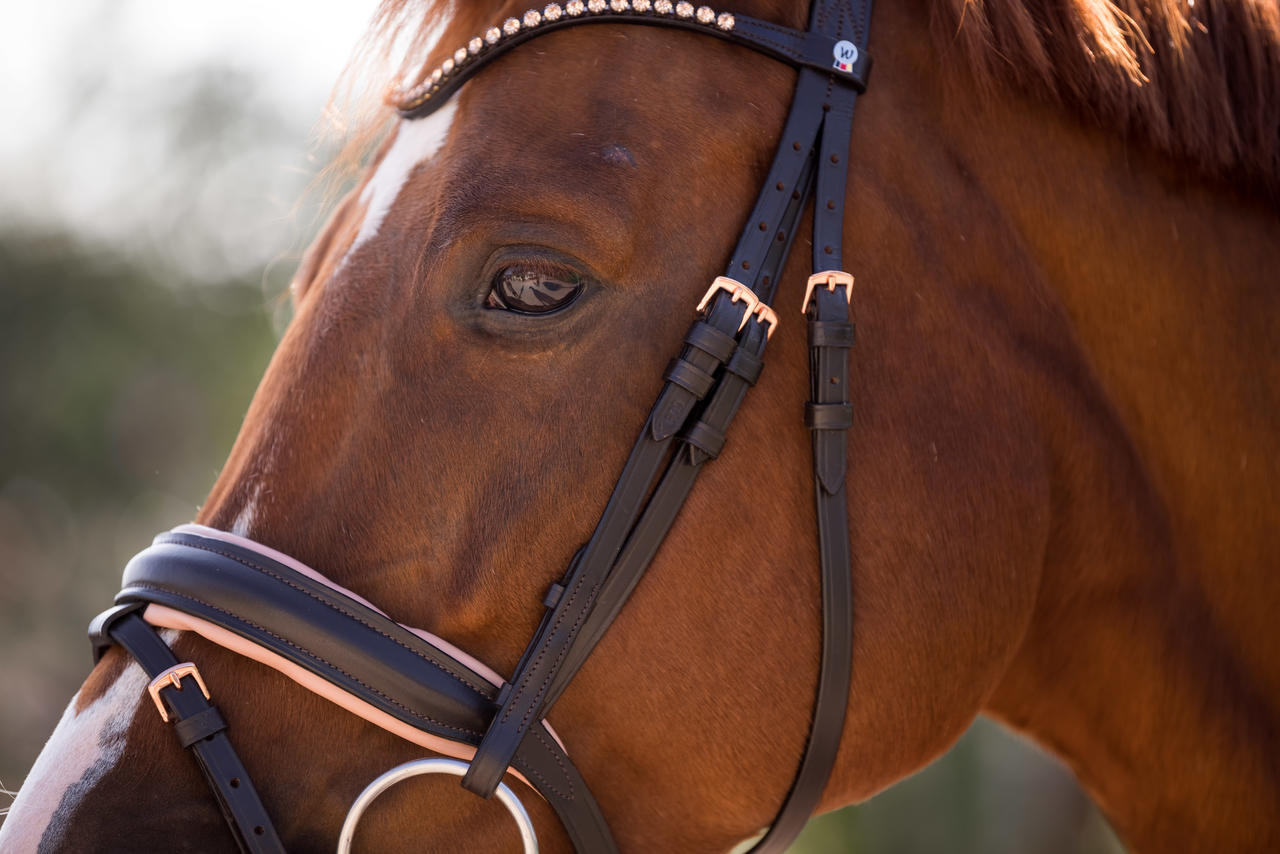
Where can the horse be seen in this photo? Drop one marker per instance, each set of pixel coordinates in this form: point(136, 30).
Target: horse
point(1064, 451)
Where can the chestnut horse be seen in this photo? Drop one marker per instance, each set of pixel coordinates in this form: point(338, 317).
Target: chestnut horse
point(1065, 457)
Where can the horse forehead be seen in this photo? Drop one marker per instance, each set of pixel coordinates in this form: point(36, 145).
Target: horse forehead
point(415, 143)
point(87, 743)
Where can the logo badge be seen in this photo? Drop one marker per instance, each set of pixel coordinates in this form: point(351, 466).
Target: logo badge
point(846, 54)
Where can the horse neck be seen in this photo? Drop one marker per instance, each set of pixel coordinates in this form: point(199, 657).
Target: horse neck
point(1140, 301)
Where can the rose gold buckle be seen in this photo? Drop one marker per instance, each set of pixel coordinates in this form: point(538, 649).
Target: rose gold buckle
point(737, 292)
point(831, 279)
point(172, 678)
point(764, 314)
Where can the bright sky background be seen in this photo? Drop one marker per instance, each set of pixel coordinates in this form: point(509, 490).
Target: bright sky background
point(99, 134)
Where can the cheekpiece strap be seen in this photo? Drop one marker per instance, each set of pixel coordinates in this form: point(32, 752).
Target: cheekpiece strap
point(182, 699)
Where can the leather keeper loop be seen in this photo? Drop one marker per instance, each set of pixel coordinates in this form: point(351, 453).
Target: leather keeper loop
point(746, 365)
point(711, 341)
point(689, 377)
point(828, 416)
point(200, 725)
point(705, 438)
point(552, 599)
point(830, 333)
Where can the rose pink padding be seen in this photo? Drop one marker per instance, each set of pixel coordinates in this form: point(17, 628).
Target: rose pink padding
point(164, 617)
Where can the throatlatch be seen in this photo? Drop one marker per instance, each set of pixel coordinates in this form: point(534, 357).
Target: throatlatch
point(320, 635)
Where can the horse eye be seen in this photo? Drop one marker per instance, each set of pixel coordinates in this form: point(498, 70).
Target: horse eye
point(527, 291)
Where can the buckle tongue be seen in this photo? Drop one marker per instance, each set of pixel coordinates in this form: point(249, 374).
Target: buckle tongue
point(172, 678)
point(737, 291)
point(830, 279)
point(764, 314)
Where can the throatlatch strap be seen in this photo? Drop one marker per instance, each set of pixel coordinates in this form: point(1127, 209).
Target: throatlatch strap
point(828, 416)
point(198, 725)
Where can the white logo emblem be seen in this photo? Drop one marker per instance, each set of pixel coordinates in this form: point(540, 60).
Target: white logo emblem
point(846, 54)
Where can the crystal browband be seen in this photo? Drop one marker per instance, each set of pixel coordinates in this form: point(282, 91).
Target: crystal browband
point(838, 57)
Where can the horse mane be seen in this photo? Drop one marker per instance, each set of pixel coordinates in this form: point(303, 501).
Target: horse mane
point(1196, 79)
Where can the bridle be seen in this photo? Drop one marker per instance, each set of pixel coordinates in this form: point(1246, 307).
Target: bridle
point(267, 606)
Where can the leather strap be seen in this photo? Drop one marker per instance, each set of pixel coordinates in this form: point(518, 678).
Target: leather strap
point(200, 729)
point(551, 658)
point(829, 416)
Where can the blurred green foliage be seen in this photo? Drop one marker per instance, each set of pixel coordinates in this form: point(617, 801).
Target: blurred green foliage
point(121, 394)
point(111, 377)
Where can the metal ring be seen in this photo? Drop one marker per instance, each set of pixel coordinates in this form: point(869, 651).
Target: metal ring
point(432, 766)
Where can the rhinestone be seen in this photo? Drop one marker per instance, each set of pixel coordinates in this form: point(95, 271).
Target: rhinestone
point(575, 7)
point(662, 7)
point(619, 5)
point(596, 6)
point(447, 66)
point(684, 10)
point(436, 75)
point(725, 21)
point(641, 5)
point(473, 46)
point(511, 26)
point(552, 12)
point(460, 56)
point(492, 35)
point(532, 18)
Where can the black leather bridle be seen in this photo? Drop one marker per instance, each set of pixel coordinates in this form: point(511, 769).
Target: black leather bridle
point(361, 651)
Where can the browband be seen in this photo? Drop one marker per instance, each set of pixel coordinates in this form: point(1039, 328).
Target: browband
point(838, 57)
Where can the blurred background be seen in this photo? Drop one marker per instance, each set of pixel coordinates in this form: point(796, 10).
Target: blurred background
point(158, 167)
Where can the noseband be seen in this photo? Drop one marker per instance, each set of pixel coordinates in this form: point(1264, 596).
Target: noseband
point(268, 607)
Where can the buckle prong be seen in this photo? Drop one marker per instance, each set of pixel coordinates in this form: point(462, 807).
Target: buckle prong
point(737, 291)
point(172, 678)
point(765, 314)
point(830, 279)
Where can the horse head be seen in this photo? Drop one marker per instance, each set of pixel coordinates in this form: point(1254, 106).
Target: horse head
point(480, 331)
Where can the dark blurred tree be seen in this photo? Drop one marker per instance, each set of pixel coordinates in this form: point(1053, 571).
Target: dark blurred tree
point(121, 396)
point(111, 378)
